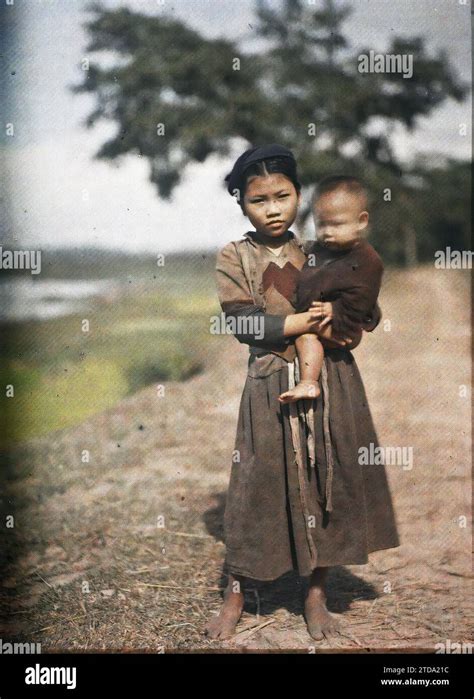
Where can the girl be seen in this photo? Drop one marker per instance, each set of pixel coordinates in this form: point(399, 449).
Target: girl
point(298, 499)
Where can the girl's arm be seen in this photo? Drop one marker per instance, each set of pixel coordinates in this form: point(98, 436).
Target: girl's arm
point(252, 325)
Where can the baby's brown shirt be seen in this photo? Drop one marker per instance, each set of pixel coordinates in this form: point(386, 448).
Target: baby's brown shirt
point(349, 279)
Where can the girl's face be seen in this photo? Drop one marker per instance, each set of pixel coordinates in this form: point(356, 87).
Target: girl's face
point(271, 203)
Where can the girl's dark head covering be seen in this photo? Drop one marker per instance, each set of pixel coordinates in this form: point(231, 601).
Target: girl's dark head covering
point(236, 177)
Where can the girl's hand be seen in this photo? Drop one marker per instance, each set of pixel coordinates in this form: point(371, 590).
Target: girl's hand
point(300, 323)
point(321, 310)
point(327, 337)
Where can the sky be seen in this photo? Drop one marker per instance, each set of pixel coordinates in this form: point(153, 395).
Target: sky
point(59, 196)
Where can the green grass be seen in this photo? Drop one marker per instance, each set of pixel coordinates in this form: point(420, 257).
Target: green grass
point(62, 375)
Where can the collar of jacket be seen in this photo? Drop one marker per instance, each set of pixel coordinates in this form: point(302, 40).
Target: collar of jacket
point(292, 236)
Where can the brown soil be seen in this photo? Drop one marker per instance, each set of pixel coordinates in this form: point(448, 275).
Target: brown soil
point(125, 552)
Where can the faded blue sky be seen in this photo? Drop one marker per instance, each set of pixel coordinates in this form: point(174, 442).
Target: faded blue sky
point(60, 196)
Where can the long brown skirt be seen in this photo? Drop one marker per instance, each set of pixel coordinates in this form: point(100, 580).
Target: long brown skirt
point(270, 526)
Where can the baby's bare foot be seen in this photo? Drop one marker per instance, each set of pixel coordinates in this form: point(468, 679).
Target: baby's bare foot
point(319, 621)
point(302, 390)
point(223, 625)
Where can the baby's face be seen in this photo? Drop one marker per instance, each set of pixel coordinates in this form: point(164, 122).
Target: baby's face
point(339, 219)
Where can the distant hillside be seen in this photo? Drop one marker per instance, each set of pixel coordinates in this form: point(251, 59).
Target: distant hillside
point(97, 263)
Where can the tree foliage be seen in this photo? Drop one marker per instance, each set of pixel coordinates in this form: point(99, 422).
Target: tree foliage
point(177, 97)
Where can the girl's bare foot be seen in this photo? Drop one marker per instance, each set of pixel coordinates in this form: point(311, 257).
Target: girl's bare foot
point(223, 625)
point(319, 621)
point(302, 390)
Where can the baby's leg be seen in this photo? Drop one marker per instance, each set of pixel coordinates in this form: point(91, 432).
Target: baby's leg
point(311, 356)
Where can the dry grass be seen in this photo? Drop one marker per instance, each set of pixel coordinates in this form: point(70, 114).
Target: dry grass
point(94, 571)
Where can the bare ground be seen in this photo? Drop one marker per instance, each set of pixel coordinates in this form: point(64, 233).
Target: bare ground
point(125, 552)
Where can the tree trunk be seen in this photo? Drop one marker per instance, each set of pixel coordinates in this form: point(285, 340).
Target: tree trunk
point(411, 255)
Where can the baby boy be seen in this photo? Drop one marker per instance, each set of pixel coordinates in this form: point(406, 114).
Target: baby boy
point(341, 277)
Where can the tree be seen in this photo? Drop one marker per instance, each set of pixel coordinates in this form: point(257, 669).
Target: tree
point(177, 97)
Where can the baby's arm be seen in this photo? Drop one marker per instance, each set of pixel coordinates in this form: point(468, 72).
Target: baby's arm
point(355, 308)
point(357, 301)
point(373, 319)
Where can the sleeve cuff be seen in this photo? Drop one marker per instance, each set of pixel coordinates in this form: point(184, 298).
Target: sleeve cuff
point(267, 330)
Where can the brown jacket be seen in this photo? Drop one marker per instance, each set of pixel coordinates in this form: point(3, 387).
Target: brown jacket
point(240, 269)
point(238, 280)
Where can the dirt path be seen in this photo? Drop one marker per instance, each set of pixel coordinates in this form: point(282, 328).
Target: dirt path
point(124, 550)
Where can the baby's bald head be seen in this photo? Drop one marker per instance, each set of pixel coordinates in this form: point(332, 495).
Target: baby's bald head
point(347, 184)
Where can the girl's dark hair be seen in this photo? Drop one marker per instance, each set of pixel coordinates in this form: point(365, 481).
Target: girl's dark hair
point(270, 166)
